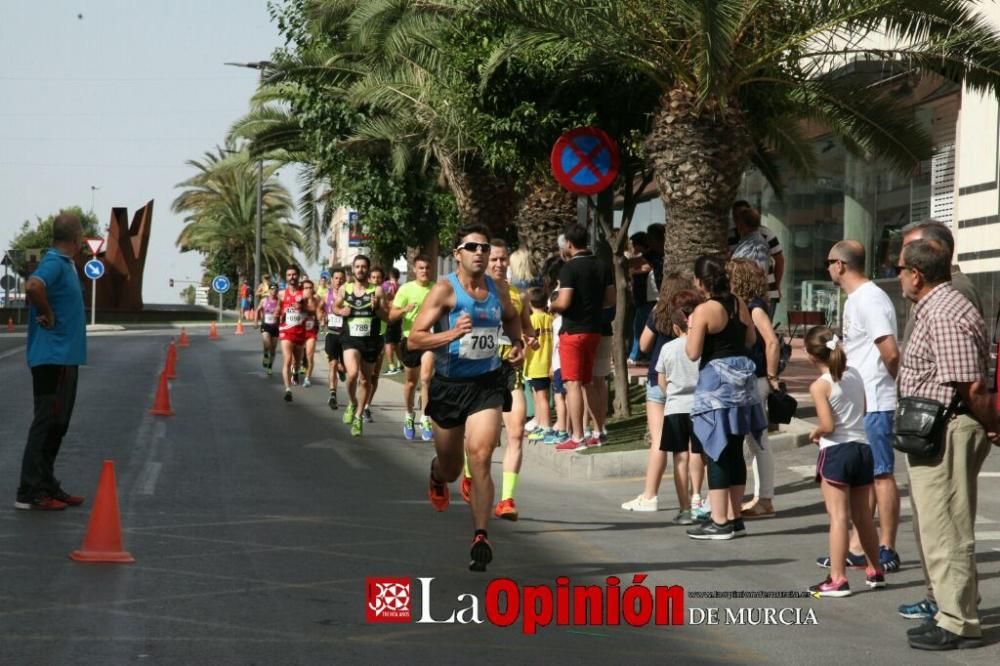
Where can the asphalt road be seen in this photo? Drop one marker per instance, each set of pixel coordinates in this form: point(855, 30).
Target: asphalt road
point(255, 524)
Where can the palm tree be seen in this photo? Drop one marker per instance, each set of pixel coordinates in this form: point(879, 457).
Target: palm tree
point(738, 79)
point(220, 208)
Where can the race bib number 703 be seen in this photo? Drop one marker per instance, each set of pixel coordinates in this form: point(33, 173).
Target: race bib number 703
point(479, 343)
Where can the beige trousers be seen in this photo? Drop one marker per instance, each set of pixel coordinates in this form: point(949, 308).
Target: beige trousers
point(944, 494)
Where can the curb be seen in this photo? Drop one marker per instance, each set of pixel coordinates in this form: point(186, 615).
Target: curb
point(623, 464)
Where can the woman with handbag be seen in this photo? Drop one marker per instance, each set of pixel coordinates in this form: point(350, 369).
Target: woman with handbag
point(749, 282)
point(845, 467)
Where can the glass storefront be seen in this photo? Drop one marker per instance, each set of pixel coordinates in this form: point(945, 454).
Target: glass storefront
point(851, 198)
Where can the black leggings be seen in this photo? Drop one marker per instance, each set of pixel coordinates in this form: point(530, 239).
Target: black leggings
point(731, 468)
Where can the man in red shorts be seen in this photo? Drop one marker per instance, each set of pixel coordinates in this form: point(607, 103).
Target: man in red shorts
point(291, 330)
point(584, 288)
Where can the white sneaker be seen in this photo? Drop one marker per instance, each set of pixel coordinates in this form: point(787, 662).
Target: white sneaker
point(306, 383)
point(530, 425)
point(640, 503)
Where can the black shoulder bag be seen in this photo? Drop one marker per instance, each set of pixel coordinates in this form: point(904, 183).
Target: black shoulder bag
point(920, 426)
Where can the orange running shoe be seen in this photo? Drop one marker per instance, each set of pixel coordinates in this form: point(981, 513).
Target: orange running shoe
point(506, 509)
point(466, 489)
point(438, 492)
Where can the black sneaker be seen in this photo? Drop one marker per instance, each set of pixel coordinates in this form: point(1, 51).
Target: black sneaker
point(942, 639)
point(40, 503)
point(332, 401)
point(712, 531)
point(922, 628)
point(66, 498)
point(739, 529)
point(481, 553)
point(875, 579)
point(288, 395)
point(367, 413)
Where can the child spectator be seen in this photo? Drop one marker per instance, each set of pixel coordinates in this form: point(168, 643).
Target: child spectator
point(538, 361)
point(678, 376)
point(559, 428)
point(845, 468)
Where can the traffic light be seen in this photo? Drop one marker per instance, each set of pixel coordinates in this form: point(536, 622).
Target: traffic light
point(171, 282)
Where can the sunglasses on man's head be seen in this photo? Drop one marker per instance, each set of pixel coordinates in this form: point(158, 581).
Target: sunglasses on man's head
point(830, 262)
point(474, 247)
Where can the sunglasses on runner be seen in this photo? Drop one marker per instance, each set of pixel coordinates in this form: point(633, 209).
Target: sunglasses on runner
point(473, 247)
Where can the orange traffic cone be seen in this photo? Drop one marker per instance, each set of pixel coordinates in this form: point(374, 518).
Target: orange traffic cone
point(103, 540)
point(161, 406)
point(183, 342)
point(239, 327)
point(10, 324)
point(213, 334)
point(170, 368)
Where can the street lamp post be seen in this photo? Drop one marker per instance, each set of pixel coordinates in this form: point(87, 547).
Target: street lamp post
point(260, 66)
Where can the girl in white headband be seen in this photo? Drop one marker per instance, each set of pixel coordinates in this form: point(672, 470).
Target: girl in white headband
point(845, 467)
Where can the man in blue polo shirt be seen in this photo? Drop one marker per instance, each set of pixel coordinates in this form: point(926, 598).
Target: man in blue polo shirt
point(57, 346)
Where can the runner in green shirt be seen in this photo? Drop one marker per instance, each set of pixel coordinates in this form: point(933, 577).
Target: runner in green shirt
point(418, 365)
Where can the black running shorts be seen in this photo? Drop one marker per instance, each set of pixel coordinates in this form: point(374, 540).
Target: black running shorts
point(334, 347)
point(394, 333)
point(370, 347)
point(678, 434)
point(452, 401)
point(270, 329)
point(411, 359)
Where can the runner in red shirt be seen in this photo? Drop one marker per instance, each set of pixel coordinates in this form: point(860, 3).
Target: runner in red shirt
point(310, 322)
point(291, 330)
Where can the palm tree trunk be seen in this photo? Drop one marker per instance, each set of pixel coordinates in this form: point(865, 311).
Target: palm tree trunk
point(543, 214)
point(481, 196)
point(698, 154)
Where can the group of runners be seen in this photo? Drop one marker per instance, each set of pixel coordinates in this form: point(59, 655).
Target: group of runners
point(461, 342)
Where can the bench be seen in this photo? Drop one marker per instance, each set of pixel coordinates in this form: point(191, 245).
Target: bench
point(804, 319)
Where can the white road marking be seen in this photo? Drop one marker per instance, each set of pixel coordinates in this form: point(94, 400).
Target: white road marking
point(806, 471)
point(990, 475)
point(341, 449)
point(12, 352)
point(350, 457)
point(321, 444)
point(150, 474)
point(987, 536)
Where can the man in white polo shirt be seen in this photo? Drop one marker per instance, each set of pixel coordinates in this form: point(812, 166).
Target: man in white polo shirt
point(870, 331)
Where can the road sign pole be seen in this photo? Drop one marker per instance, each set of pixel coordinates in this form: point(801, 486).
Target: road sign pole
point(93, 302)
point(220, 308)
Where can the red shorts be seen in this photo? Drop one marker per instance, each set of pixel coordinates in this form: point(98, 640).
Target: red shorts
point(296, 335)
point(577, 352)
point(311, 335)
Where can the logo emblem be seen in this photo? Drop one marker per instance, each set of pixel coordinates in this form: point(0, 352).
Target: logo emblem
point(388, 600)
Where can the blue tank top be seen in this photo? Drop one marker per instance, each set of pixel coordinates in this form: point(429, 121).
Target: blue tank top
point(475, 353)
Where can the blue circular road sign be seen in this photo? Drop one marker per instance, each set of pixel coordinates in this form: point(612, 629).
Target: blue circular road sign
point(220, 284)
point(94, 269)
point(585, 160)
point(325, 275)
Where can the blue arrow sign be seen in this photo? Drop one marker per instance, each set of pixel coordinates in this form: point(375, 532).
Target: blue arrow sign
point(220, 284)
point(94, 269)
point(325, 275)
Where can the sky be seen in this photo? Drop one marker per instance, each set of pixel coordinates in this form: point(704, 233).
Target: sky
point(118, 100)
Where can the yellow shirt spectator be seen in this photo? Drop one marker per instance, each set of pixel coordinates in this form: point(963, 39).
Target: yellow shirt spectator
point(537, 361)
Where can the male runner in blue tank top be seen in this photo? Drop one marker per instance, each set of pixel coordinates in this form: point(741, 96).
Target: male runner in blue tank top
point(461, 320)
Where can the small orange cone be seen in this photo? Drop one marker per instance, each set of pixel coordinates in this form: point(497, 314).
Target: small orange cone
point(161, 406)
point(213, 333)
point(103, 540)
point(239, 328)
point(170, 368)
point(10, 324)
point(183, 342)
